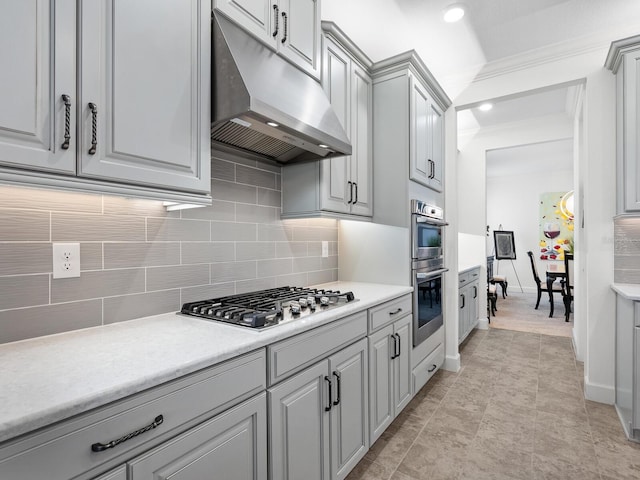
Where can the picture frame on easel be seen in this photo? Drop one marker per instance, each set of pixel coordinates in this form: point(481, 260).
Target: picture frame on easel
point(505, 245)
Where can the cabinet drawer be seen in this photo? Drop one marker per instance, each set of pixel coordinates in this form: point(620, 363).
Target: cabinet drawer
point(427, 368)
point(463, 279)
point(474, 275)
point(294, 354)
point(389, 312)
point(65, 451)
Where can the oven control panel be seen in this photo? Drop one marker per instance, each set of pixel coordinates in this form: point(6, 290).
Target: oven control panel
point(421, 208)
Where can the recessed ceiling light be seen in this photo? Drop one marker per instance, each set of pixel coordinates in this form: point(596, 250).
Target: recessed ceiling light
point(273, 124)
point(322, 145)
point(453, 13)
point(485, 107)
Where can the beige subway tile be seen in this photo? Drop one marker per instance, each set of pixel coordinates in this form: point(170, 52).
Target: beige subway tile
point(90, 256)
point(292, 280)
point(307, 264)
point(255, 250)
point(277, 232)
point(272, 268)
point(254, 285)
point(232, 271)
point(322, 276)
point(233, 192)
point(223, 170)
point(163, 278)
point(25, 258)
point(49, 319)
point(228, 231)
point(130, 255)
point(97, 284)
point(219, 210)
point(96, 228)
point(24, 226)
point(128, 307)
point(315, 234)
point(292, 249)
point(177, 229)
point(50, 200)
point(256, 177)
point(23, 291)
point(256, 214)
point(206, 252)
point(204, 292)
point(268, 197)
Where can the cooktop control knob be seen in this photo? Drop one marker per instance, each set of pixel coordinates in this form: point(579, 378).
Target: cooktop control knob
point(324, 301)
point(303, 303)
point(294, 307)
point(311, 301)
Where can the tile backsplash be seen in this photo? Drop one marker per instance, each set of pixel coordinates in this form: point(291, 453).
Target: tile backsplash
point(626, 263)
point(139, 260)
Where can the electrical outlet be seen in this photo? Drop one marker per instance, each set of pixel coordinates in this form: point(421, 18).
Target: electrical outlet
point(66, 260)
point(325, 249)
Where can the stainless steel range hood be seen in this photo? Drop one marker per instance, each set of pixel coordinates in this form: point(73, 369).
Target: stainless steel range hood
point(264, 105)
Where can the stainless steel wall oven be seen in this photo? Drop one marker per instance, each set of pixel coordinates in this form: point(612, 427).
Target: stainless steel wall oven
point(427, 268)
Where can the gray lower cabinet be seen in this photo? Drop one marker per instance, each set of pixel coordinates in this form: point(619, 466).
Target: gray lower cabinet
point(628, 366)
point(318, 418)
point(389, 374)
point(119, 473)
point(468, 303)
point(232, 445)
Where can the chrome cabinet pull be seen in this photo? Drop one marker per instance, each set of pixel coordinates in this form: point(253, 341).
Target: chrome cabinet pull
point(276, 17)
point(67, 122)
point(101, 447)
point(328, 380)
point(94, 128)
point(337, 400)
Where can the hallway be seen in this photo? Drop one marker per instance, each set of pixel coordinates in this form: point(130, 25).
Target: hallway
point(514, 411)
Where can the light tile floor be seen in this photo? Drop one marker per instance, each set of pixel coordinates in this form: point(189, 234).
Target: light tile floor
point(514, 411)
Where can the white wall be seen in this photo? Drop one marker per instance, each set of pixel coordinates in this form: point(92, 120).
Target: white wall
point(513, 201)
point(596, 170)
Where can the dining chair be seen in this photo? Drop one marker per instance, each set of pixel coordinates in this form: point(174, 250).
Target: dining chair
point(496, 279)
point(567, 295)
point(542, 286)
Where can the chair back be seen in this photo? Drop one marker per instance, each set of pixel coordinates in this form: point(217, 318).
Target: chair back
point(490, 267)
point(533, 268)
point(568, 268)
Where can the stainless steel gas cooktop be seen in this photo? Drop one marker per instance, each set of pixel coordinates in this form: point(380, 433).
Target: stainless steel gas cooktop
point(267, 308)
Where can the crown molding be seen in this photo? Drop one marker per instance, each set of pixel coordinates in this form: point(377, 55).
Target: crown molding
point(618, 49)
point(331, 29)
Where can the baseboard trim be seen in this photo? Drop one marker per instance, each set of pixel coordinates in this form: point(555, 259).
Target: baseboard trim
point(452, 364)
point(599, 393)
point(574, 340)
point(483, 324)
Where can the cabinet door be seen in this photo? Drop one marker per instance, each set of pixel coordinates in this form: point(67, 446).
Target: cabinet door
point(475, 307)
point(299, 426)
point(402, 364)
point(336, 81)
point(299, 35)
point(257, 17)
point(37, 54)
point(349, 414)
point(436, 146)
point(119, 473)
point(381, 412)
point(420, 168)
point(361, 164)
point(233, 445)
point(631, 133)
point(463, 312)
point(144, 109)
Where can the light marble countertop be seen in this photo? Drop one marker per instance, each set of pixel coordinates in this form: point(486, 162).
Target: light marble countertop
point(467, 269)
point(630, 291)
point(48, 379)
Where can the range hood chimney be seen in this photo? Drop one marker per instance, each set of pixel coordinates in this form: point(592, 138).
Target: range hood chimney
point(264, 105)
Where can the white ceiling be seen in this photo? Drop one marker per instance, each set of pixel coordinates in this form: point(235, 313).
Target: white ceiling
point(524, 159)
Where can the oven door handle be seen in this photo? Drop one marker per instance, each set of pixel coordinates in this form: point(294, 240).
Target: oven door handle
point(428, 275)
point(429, 220)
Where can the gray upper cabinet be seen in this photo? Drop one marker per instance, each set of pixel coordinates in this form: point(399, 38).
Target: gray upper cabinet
point(144, 116)
point(338, 186)
point(408, 137)
point(292, 28)
point(35, 92)
point(127, 107)
point(624, 61)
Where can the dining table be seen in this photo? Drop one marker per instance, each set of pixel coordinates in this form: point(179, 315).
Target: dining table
point(554, 272)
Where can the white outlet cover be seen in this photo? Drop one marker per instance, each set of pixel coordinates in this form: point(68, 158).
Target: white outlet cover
point(66, 260)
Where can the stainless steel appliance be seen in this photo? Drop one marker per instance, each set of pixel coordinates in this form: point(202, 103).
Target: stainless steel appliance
point(267, 308)
point(264, 105)
point(427, 268)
